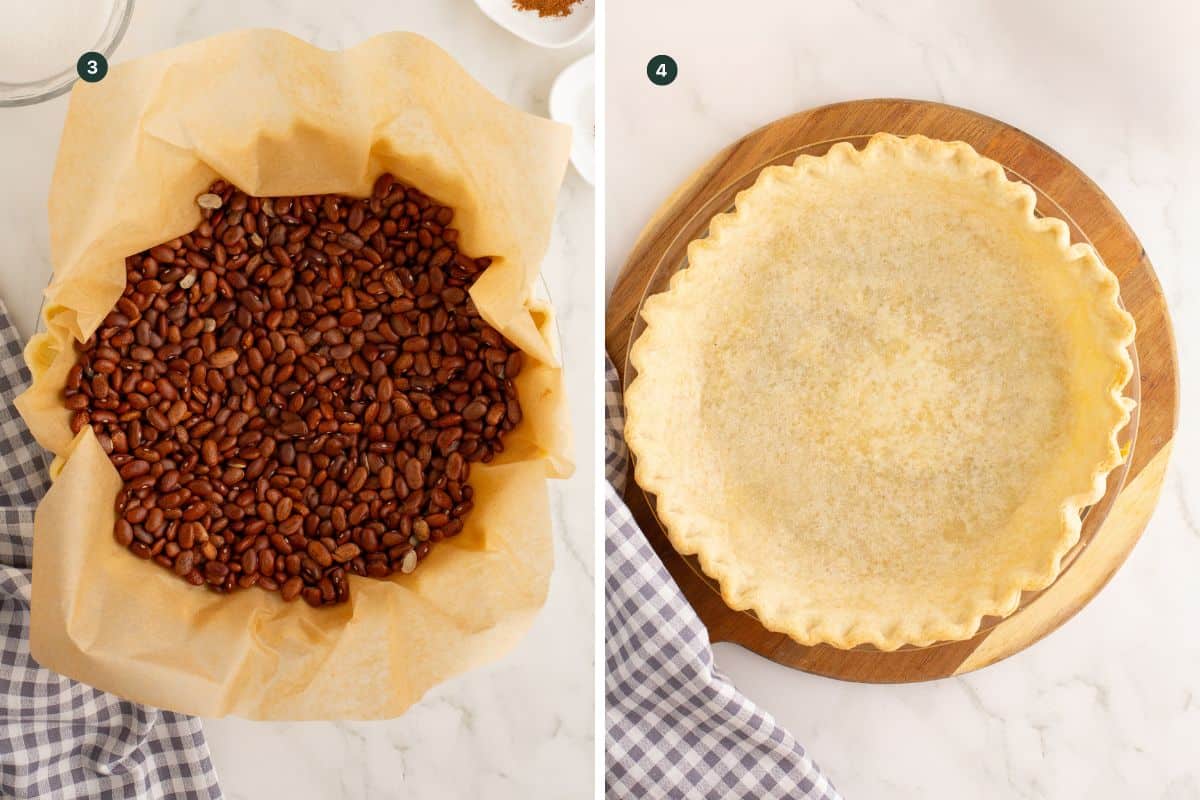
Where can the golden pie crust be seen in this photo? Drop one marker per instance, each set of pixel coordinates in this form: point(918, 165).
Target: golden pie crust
point(878, 397)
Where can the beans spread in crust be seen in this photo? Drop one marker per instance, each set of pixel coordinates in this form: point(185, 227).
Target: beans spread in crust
point(296, 390)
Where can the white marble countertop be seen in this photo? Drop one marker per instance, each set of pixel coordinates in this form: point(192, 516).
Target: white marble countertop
point(523, 727)
point(1109, 705)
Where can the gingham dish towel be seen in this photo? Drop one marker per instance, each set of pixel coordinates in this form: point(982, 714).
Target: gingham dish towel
point(676, 727)
point(60, 739)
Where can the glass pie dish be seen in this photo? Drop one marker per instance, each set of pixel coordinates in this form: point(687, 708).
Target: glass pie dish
point(674, 259)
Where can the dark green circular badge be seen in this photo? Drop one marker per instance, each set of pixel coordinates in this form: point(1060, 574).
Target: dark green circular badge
point(92, 67)
point(662, 70)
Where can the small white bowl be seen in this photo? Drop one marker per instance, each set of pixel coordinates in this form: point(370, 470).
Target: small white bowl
point(542, 31)
point(573, 102)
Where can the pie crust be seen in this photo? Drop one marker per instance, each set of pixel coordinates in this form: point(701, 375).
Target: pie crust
point(877, 399)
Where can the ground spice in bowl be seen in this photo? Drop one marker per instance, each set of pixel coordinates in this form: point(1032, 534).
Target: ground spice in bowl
point(547, 8)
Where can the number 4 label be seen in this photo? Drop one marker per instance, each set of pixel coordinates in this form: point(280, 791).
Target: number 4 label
point(662, 70)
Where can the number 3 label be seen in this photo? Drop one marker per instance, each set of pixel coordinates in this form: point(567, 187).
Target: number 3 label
point(92, 67)
point(662, 70)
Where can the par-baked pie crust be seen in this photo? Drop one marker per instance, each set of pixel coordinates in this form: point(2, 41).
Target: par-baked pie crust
point(878, 397)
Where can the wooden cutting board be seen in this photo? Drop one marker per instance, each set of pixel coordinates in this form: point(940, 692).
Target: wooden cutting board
point(1111, 527)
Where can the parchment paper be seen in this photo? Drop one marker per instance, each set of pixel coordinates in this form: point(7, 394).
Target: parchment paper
point(276, 116)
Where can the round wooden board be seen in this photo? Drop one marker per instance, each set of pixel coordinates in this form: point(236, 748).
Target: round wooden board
point(1111, 528)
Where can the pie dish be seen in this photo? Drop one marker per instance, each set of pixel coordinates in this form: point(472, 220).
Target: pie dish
point(877, 399)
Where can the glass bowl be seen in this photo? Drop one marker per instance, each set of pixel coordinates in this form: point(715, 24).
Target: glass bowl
point(31, 92)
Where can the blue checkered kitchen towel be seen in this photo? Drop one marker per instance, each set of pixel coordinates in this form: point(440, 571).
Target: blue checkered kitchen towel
point(60, 739)
point(677, 728)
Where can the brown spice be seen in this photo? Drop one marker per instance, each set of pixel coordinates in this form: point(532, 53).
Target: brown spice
point(547, 8)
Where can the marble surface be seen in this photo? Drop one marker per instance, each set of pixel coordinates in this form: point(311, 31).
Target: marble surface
point(523, 727)
point(1108, 706)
